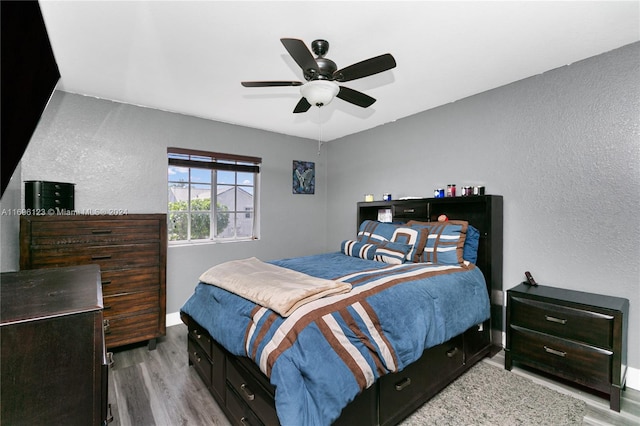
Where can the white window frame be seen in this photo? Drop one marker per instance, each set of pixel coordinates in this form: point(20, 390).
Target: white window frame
point(213, 162)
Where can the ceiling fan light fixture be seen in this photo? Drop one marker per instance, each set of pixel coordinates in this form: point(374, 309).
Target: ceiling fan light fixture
point(319, 92)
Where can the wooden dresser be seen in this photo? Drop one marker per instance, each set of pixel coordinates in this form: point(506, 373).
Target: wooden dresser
point(131, 251)
point(54, 366)
point(581, 337)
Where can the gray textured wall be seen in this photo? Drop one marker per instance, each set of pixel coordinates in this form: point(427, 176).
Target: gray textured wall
point(116, 155)
point(563, 148)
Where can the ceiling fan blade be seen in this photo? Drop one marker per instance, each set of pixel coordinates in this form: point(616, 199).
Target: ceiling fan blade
point(355, 97)
point(301, 54)
point(302, 106)
point(270, 83)
point(365, 68)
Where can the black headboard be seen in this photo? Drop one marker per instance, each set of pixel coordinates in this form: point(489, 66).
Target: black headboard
point(484, 212)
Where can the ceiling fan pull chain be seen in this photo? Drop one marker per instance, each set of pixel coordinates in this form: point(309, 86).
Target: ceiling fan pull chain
point(319, 130)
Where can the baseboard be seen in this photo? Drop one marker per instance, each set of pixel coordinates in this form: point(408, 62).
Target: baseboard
point(633, 378)
point(173, 319)
point(633, 374)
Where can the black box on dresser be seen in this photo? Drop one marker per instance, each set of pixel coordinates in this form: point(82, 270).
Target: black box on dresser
point(43, 195)
point(577, 336)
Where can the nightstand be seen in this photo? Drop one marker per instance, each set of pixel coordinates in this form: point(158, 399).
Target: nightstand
point(578, 336)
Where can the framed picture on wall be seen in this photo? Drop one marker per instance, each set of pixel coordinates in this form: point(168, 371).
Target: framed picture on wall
point(304, 177)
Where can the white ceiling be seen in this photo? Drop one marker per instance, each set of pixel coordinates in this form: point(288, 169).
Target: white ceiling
point(190, 56)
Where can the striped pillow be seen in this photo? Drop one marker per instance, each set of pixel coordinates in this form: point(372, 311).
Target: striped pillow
point(392, 253)
point(358, 249)
point(386, 251)
point(375, 232)
point(445, 244)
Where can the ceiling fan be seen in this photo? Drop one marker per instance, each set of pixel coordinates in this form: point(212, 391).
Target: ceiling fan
point(323, 75)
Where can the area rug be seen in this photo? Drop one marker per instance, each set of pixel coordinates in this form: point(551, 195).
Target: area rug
point(489, 395)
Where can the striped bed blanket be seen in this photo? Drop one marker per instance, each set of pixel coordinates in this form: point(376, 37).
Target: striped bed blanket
point(327, 351)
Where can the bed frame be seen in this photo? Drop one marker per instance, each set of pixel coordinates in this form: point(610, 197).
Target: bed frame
point(246, 396)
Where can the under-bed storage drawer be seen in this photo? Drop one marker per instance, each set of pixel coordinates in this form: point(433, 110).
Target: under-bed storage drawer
point(200, 361)
point(201, 337)
point(241, 383)
point(402, 392)
point(208, 359)
point(240, 413)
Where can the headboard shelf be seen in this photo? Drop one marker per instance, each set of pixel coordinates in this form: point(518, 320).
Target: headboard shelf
point(484, 212)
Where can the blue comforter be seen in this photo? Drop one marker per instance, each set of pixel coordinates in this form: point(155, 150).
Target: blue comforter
point(329, 350)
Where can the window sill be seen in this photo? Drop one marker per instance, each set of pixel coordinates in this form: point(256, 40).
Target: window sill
point(208, 242)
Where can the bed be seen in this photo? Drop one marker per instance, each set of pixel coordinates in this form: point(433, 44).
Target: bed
point(405, 309)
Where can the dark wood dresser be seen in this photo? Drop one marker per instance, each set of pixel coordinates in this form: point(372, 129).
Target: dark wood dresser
point(53, 360)
point(578, 336)
point(131, 251)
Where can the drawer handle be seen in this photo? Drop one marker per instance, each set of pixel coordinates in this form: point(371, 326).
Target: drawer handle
point(555, 352)
point(556, 320)
point(247, 392)
point(409, 210)
point(110, 360)
point(109, 418)
point(100, 256)
point(403, 383)
point(106, 282)
point(106, 325)
point(198, 335)
point(245, 421)
point(100, 231)
point(197, 357)
point(452, 352)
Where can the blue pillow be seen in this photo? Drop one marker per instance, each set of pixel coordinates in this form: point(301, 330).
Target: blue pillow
point(392, 253)
point(471, 243)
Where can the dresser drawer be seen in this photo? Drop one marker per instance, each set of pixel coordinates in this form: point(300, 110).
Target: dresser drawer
point(251, 392)
point(128, 303)
point(134, 328)
point(580, 325)
point(401, 389)
point(118, 281)
point(200, 361)
point(584, 364)
point(108, 257)
point(74, 232)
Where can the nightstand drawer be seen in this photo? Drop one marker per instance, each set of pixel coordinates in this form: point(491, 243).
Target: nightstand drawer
point(581, 363)
point(580, 325)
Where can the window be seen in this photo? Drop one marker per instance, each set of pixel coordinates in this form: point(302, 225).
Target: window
point(212, 196)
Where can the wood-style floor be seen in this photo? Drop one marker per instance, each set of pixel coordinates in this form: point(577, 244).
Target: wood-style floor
point(148, 388)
